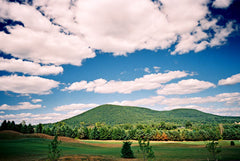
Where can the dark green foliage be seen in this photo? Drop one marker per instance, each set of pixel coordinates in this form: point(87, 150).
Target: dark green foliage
point(94, 134)
point(54, 151)
point(232, 143)
point(214, 149)
point(126, 151)
point(22, 127)
point(113, 114)
point(105, 133)
point(146, 149)
point(39, 128)
point(118, 134)
point(188, 124)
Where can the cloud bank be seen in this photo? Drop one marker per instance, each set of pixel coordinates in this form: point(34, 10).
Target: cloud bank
point(68, 32)
point(147, 82)
point(27, 85)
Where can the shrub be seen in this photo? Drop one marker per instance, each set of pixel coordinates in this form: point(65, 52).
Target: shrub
point(146, 149)
point(232, 143)
point(126, 151)
point(54, 151)
point(214, 149)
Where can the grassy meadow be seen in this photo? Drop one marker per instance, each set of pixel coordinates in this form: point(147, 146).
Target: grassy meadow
point(26, 148)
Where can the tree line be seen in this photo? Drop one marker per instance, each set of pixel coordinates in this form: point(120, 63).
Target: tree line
point(22, 127)
point(158, 131)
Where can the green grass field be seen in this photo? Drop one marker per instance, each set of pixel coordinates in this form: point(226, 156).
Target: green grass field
point(37, 149)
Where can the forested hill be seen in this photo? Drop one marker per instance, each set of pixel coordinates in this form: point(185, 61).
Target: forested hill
point(113, 114)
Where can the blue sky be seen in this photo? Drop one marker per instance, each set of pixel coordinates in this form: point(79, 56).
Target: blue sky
point(71, 56)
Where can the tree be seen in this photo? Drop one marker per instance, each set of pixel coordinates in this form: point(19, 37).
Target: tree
point(188, 125)
point(54, 151)
point(164, 136)
point(214, 149)
point(126, 151)
point(94, 133)
point(30, 129)
point(4, 125)
point(146, 149)
point(39, 128)
point(104, 133)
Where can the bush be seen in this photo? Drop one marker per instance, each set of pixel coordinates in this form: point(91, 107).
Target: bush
point(126, 151)
point(232, 143)
point(146, 149)
point(54, 151)
point(214, 149)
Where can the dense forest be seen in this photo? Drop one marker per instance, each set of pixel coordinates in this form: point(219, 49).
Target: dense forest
point(114, 115)
point(111, 122)
point(158, 131)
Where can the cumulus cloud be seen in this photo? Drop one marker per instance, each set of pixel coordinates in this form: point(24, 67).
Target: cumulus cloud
point(27, 85)
point(222, 3)
point(40, 118)
point(20, 106)
point(234, 79)
point(40, 40)
point(232, 111)
point(67, 32)
point(45, 47)
point(21, 12)
point(157, 69)
point(147, 82)
point(27, 67)
point(36, 100)
point(185, 87)
point(198, 40)
point(2, 112)
point(71, 107)
point(147, 70)
point(227, 98)
point(151, 101)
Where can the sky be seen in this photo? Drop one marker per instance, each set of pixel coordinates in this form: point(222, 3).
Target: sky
point(62, 58)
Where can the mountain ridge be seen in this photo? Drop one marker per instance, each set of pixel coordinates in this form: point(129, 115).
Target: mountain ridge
point(115, 114)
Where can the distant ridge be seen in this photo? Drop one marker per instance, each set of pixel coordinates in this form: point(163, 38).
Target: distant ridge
point(114, 114)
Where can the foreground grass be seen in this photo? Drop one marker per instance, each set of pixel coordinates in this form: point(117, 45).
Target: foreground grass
point(37, 149)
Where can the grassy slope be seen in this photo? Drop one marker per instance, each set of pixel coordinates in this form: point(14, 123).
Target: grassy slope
point(37, 149)
point(113, 114)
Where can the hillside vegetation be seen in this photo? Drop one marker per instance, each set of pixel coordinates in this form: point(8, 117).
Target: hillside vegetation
point(113, 114)
point(29, 149)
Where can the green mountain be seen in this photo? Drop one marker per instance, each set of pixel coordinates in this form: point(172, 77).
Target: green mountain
point(113, 114)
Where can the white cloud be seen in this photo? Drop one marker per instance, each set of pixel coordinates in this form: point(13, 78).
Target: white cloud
point(2, 112)
point(20, 106)
point(234, 79)
point(157, 69)
point(222, 3)
point(28, 15)
point(39, 118)
point(27, 67)
point(231, 111)
point(152, 101)
point(27, 85)
point(75, 107)
point(147, 70)
point(221, 33)
point(147, 82)
point(45, 47)
point(93, 24)
point(128, 29)
point(36, 100)
point(227, 98)
point(185, 87)
point(137, 24)
point(198, 40)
